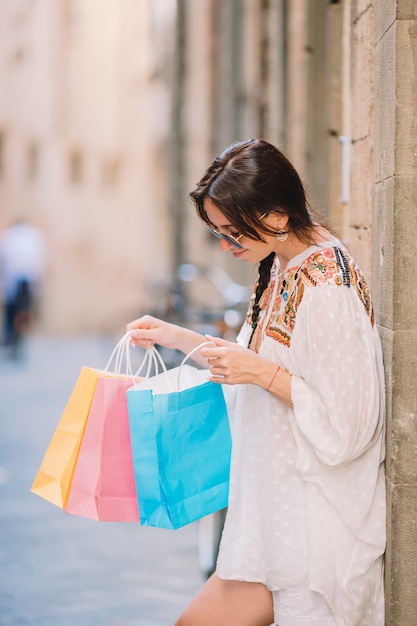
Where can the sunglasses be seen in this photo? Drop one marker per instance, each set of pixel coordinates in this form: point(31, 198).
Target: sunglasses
point(232, 239)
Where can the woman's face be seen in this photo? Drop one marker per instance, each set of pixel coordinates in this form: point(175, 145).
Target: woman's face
point(252, 251)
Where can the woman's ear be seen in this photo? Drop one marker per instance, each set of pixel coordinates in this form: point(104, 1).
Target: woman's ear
point(280, 221)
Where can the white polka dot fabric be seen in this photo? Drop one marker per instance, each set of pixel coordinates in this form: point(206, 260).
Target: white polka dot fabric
point(307, 499)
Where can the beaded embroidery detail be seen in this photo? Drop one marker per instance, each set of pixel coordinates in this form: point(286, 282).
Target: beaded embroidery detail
point(331, 265)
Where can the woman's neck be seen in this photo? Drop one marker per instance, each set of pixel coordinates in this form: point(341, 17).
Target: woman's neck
point(285, 251)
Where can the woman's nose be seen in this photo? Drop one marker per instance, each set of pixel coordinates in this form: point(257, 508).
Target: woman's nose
point(225, 245)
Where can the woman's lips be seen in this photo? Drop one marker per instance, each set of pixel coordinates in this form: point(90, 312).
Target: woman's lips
point(238, 253)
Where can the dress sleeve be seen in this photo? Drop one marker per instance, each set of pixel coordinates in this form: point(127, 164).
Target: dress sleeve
point(337, 383)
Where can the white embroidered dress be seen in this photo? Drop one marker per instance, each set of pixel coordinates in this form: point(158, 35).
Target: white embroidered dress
point(307, 499)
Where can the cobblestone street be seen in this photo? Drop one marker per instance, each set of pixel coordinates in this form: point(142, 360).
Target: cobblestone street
point(58, 569)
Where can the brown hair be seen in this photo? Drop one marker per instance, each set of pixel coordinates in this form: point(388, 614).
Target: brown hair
point(251, 178)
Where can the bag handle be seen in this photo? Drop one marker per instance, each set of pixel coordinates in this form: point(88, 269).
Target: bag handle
point(153, 358)
point(122, 350)
point(193, 351)
point(117, 355)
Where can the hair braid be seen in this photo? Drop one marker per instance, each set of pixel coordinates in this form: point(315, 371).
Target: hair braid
point(264, 278)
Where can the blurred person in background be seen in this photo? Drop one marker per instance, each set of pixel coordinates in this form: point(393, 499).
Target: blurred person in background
point(304, 535)
point(22, 271)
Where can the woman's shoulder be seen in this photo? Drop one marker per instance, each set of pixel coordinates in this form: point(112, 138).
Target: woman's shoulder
point(328, 263)
point(333, 265)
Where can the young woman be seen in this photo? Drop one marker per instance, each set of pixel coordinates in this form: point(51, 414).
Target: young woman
point(304, 535)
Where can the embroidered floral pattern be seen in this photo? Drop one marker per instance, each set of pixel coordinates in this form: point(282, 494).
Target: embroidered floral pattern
point(332, 265)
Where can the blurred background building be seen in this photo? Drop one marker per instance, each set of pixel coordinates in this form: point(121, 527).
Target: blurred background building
point(110, 111)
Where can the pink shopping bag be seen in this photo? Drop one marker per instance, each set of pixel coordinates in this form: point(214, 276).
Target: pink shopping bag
point(103, 485)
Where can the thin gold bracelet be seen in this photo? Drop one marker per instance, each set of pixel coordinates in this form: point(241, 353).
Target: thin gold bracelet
point(273, 378)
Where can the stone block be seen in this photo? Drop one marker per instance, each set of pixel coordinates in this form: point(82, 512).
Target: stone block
point(406, 98)
point(402, 414)
point(383, 251)
point(401, 555)
point(336, 208)
point(360, 205)
point(385, 107)
point(406, 9)
point(358, 240)
point(359, 7)
point(405, 261)
point(385, 14)
point(362, 76)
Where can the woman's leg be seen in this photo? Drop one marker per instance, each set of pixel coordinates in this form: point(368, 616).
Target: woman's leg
point(229, 603)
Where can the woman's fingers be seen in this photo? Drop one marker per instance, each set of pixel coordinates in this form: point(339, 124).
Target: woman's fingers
point(141, 338)
point(145, 322)
point(146, 331)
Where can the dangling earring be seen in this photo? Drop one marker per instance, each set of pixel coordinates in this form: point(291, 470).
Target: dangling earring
point(282, 235)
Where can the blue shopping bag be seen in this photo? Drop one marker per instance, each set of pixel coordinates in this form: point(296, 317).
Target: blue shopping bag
point(181, 447)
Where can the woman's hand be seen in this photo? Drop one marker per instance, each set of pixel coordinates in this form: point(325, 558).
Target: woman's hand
point(232, 364)
point(148, 331)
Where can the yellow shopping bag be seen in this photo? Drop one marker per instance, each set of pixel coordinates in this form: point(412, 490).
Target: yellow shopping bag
point(53, 480)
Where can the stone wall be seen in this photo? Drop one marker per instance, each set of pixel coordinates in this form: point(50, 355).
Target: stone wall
point(395, 264)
